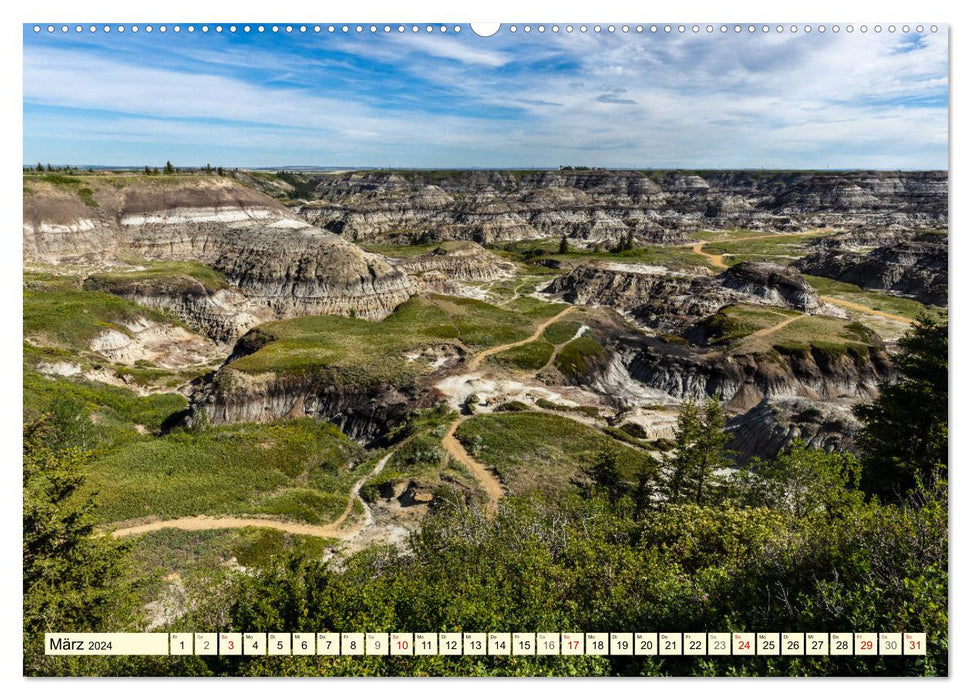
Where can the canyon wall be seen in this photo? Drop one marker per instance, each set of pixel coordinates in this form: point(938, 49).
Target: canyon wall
point(602, 206)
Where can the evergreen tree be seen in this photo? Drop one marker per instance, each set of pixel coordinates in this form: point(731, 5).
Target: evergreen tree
point(645, 491)
point(604, 477)
point(903, 441)
point(39, 168)
point(564, 245)
point(169, 170)
point(73, 580)
point(691, 473)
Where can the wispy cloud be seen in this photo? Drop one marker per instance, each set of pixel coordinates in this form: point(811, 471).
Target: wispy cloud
point(429, 100)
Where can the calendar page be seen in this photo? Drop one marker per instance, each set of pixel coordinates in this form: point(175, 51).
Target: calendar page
point(513, 349)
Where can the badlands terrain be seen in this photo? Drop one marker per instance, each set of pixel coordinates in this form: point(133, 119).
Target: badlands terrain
point(302, 361)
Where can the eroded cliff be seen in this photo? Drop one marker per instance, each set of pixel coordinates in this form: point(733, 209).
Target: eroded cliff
point(604, 206)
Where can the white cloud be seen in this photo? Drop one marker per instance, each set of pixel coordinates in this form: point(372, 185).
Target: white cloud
point(718, 101)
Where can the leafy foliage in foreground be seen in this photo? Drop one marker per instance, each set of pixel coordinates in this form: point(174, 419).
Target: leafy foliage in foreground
point(72, 580)
point(790, 544)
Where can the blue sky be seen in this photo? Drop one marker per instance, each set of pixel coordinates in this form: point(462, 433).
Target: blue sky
point(511, 100)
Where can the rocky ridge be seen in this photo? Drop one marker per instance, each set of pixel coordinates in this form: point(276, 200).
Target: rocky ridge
point(281, 265)
point(672, 301)
point(915, 267)
point(742, 380)
point(601, 206)
point(459, 260)
point(773, 424)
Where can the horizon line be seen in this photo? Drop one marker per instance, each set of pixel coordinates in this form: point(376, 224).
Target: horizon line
point(31, 167)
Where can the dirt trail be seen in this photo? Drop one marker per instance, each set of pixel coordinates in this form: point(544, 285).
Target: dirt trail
point(557, 349)
point(718, 260)
point(208, 522)
point(478, 357)
point(866, 310)
point(486, 478)
point(772, 329)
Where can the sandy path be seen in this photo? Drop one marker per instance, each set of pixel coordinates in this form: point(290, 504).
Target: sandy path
point(486, 478)
point(866, 310)
point(772, 329)
point(718, 260)
point(479, 357)
point(207, 522)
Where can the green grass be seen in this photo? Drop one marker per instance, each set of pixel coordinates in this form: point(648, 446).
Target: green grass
point(58, 314)
point(355, 351)
point(899, 306)
point(589, 411)
point(732, 323)
point(561, 331)
point(528, 357)
point(87, 196)
point(538, 451)
point(61, 320)
point(105, 414)
point(296, 469)
point(196, 554)
point(115, 179)
point(417, 455)
point(579, 356)
point(170, 272)
point(55, 179)
point(821, 333)
point(779, 249)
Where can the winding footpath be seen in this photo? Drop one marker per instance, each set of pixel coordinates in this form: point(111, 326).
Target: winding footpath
point(477, 359)
point(866, 310)
point(772, 329)
point(335, 529)
point(486, 477)
point(718, 259)
point(207, 522)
